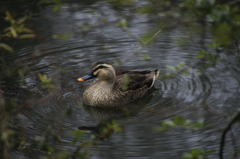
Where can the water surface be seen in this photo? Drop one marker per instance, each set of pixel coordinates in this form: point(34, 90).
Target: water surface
point(95, 37)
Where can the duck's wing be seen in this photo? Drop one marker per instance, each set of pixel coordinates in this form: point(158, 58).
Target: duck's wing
point(136, 80)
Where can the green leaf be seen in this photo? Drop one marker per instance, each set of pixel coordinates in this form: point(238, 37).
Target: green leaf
point(202, 54)
point(44, 79)
point(122, 23)
point(185, 73)
point(181, 65)
point(216, 44)
point(197, 154)
point(171, 68)
point(116, 63)
point(62, 36)
point(125, 82)
point(9, 18)
point(6, 47)
point(21, 20)
point(160, 128)
point(57, 7)
point(146, 9)
point(179, 120)
point(210, 57)
point(8, 15)
point(13, 32)
point(26, 30)
point(188, 122)
point(201, 71)
point(145, 56)
point(145, 38)
point(47, 86)
point(169, 123)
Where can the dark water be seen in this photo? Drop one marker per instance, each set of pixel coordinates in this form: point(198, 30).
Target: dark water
point(95, 37)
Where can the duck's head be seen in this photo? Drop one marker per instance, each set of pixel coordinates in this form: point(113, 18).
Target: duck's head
point(101, 70)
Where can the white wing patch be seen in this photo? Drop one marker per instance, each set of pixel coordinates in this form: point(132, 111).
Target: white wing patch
point(152, 82)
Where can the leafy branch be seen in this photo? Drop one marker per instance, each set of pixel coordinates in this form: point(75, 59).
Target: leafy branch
point(179, 121)
point(16, 30)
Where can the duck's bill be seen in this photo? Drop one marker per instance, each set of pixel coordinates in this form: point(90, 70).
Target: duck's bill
point(87, 77)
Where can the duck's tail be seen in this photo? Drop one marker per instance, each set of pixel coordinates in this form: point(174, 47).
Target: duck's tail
point(156, 74)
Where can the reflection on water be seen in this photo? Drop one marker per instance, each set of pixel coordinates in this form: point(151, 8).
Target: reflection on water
point(65, 61)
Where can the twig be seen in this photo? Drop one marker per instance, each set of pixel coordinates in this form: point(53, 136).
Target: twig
point(124, 60)
point(131, 34)
point(143, 44)
point(235, 118)
point(214, 111)
point(154, 36)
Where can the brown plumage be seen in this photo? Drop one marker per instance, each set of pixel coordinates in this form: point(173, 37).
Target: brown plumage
point(113, 88)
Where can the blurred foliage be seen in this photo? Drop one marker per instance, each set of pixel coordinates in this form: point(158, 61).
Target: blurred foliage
point(197, 154)
point(179, 121)
point(79, 146)
point(57, 4)
point(62, 36)
point(145, 56)
point(46, 82)
point(10, 110)
point(179, 69)
point(6, 47)
point(106, 129)
point(222, 17)
point(121, 3)
point(125, 82)
point(211, 58)
point(122, 23)
point(151, 35)
point(16, 30)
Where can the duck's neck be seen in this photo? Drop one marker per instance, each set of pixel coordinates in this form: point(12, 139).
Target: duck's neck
point(98, 93)
point(105, 84)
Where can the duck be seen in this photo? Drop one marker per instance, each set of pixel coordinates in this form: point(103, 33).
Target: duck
point(113, 88)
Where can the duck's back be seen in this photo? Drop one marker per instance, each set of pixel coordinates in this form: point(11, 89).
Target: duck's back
point(134, 84)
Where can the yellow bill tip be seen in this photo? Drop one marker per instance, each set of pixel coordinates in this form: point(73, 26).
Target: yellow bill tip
point(80, 79)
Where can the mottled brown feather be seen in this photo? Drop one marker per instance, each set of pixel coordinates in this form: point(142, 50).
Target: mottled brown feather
point(137, 79)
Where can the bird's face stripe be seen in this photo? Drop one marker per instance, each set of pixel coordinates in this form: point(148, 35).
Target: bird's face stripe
point(100, 66)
